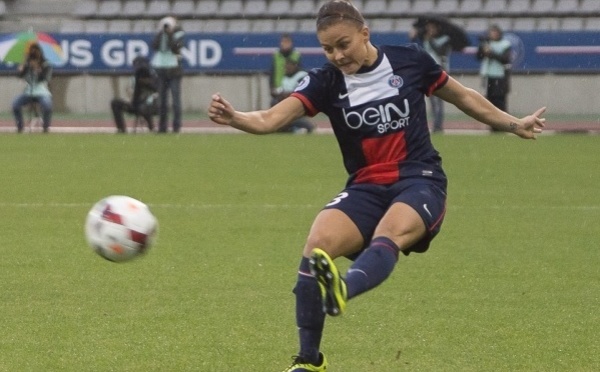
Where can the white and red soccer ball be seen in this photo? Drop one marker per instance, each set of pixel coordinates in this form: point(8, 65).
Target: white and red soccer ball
point(120, 228)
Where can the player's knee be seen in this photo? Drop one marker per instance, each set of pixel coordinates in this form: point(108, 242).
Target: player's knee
point(320, 240)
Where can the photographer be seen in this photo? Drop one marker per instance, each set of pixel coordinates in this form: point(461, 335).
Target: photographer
point(286, 52)
point(429, 34)
point(290, 80)
point(36, 72)
point(494, 52)
point(143, 94)
point(166, 61)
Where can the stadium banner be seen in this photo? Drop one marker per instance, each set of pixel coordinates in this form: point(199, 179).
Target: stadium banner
point(533, 52)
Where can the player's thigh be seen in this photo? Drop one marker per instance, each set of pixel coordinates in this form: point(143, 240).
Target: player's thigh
point(335, 233)
point(403, 225)
point(415, 217)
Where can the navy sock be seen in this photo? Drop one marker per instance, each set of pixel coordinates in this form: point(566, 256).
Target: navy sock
point(372, 267)
point(310, 317)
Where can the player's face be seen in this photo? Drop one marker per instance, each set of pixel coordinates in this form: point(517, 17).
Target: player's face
point(346, 46)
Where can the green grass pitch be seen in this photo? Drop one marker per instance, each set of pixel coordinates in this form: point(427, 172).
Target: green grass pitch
point(512, 283)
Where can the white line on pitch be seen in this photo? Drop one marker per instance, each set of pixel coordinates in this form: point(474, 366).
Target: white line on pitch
point(290, 206)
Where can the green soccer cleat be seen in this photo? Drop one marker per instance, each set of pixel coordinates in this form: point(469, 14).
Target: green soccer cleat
point(301, 365)
point(333, 287)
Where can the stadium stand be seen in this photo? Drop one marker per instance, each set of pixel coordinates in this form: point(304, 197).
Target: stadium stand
point(183, 8)
point(255, 9)
point(383, 24)
point(306, 25)
point(524, 24)
point(492, 8)
point(96, 26)
point(265, 26)
point(109, 8)
point(571, 24)
point(304, 8)
point(548, 24)
point(85, 9)
point(231, 9)
point(374, 8)
point(144, 26)
point(443, 6)
point(542, 6)
point(207, 8)
point(589, 6)
point(70, 26)
point(392, 10)
point(400, 7)
point(286, 25)
point(212, 17)
point(278, 8)
point(517, 7)
point(239, 25)
point(423, 8)
point(118, 26)
point(592, 24)
point(134, 9)
point(566, 7)
point(213, 25)
point(295, 15)
point(469, 7)
point(158, 8)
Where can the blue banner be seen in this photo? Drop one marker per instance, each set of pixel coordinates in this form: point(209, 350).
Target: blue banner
point(570, 52)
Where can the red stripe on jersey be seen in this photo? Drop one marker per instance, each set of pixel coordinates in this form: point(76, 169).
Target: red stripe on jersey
point(438, 83)
point(439, 220)
point(310, 109)
point(383, 156)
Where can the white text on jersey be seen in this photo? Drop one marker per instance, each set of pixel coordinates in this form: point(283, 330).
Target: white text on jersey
point(387, 117)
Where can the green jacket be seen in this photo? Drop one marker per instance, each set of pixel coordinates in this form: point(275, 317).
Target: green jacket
point(278, 66)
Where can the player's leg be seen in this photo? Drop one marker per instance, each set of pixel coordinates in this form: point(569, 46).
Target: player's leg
point(336, 233)
point(408, 226)
point(341, 229)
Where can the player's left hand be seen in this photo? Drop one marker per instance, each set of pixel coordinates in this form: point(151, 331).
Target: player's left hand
point(531, 125)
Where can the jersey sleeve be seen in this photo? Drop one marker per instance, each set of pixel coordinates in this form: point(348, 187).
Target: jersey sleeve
point(312, 90)
point(434, 76)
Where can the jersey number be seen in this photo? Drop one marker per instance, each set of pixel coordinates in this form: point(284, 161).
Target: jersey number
point(338, 199)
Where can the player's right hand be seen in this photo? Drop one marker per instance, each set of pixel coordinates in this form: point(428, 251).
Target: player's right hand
point(220, 111)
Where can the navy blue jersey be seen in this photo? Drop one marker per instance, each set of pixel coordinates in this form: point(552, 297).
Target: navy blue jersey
point(379, 115)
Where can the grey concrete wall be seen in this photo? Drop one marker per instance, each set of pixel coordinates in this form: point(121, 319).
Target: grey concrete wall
point(562, 94)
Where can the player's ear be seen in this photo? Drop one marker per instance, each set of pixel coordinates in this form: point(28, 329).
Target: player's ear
point(366, 34)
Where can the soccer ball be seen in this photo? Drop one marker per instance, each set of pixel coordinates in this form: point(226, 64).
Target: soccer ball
point(120, 228)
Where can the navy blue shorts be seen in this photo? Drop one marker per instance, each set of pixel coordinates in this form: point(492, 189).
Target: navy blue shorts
point(366, 204)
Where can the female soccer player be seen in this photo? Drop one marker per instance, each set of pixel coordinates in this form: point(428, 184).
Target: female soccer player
point(394, 201)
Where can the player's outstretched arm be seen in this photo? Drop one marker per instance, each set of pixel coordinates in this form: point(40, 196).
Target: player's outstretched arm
point(257, 122)
point(478, 107)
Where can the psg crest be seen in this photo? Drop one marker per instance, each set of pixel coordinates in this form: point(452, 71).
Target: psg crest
point(396, 81)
